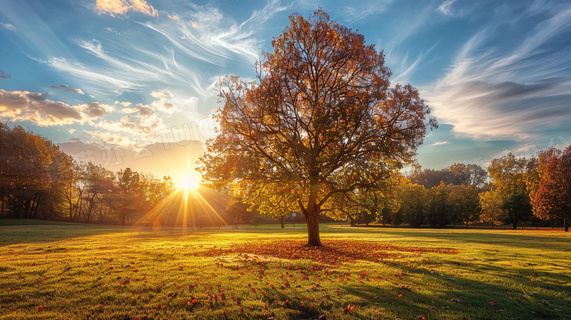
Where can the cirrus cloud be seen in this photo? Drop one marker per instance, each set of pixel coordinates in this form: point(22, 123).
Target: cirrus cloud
point(490, 94)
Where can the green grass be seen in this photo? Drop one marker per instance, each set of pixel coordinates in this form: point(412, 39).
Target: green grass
point(75, 271)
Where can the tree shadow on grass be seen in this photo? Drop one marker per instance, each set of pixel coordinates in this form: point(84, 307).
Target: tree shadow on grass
point(438, 295)
point(25, 234)
point(519, 298)
point(444, 297)
point(505, 238)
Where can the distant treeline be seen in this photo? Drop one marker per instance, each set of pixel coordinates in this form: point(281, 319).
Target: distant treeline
point(535, 191)
point(39, 181)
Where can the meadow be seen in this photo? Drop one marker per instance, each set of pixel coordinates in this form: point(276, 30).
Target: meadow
point(76, 271)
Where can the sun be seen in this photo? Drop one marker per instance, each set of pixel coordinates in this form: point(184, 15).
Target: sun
point(187, 183)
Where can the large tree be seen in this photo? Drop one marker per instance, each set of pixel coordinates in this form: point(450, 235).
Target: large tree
point(553, 197)
point(320, 123)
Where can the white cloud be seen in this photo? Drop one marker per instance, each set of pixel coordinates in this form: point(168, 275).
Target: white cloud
point(207, 36)
point(107, 137)
point(134, 123)
point(446, 8)
point(513, 94)
point(114, 7)
point(439, 143)
point(8, 26)
point(404, 71)
point(196, 42)
point(360, 9)
point(100, 81)
point(161, 94)
point(66, 88)
point(34, 107)
point(125, 104)
point(141, 119)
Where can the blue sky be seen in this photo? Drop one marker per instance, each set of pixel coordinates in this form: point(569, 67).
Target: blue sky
point(123, 74)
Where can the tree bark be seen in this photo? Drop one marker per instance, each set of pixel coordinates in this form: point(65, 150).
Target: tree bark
point(312, 219)
point(282, 221)
point(311, 214)
point(566, 224)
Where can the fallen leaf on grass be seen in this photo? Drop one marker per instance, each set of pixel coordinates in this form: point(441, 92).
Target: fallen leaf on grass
point(332, 252)
point(348, 309)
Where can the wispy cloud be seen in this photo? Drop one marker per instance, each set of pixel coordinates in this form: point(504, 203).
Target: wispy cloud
point(510, 94)
point(446, 8)
point(99, 80)
point(8, 26)
point(362, 9)
point(205, 35)
point(34, 107)
point(404, 70)
point(199, 39)
point(439, 143)
point(66, 88)
point(114, 7)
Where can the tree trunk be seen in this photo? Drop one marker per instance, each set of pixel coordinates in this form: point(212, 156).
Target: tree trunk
point(566, 224)
point(20, 208)
point(311, 214)
point(312, 219)
point(282, 221)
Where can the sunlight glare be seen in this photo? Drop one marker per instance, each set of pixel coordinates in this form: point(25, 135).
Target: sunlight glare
point(187, 183)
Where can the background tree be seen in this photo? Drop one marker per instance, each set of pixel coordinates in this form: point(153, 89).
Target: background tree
point(509, 176)
point(411, 198)
point(321, 120)
point(468, 174)
point(553, 197)
point(537, 170)
point(438, 207)
point(491, 202)
point(99, 188)
point(381, 203)
point(132, 189)
point(456, 174)
point(32, 171)
point(518, 208)
point(465, 203)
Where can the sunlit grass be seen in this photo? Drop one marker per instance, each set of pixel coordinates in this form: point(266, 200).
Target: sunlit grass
point(105, 272)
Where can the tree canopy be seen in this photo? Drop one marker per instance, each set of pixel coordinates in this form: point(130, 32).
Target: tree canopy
point(553, 197)
point(320, 123)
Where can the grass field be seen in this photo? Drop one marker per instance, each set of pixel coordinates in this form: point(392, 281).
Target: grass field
point(74, 271)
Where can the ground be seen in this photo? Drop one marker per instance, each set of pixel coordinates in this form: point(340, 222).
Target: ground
point(75, 271)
